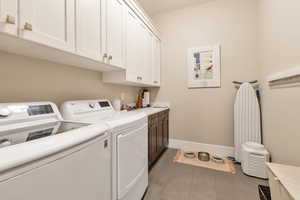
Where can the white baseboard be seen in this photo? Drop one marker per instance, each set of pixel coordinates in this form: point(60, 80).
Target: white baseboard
point(218, 150)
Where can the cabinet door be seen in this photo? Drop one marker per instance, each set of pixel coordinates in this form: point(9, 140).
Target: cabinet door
point(88, 28)
point(145, 51)
point(153, 139)
point(152, 143)
point(274, 186)
point(49, 22)
point(9, 17)
point(160, 140)
point(115, 32)
point(140, 40)
point(156, 61)
point(132, 52)
point(148, 65)
point(166, 130)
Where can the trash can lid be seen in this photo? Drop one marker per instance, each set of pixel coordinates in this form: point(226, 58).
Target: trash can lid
point(255, 146)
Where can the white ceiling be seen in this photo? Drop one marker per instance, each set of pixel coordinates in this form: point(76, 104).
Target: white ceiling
point(157, 6)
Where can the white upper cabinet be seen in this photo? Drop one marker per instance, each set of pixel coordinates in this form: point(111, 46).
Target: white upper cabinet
point(148, 56)
point(89, 29)
point(140, 51)
point(131, 59)
point(115, 32)
point(156, 61)
point(112, 36)
point(48, 22)
point(9, 17)
point(142, 54)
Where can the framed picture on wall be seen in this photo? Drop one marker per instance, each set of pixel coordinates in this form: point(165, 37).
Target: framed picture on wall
point(204, 67)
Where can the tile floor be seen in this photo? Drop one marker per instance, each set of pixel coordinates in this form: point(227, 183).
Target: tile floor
point(170, 181)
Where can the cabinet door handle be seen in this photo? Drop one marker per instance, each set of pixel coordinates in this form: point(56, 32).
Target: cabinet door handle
point(28, 26)
point(10, 19)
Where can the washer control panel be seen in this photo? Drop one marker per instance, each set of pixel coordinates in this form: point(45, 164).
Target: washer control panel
point(23, 112)
point(7, 110)
point(86, 107)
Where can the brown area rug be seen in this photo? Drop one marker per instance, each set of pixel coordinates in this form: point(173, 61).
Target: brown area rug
point(227, 166)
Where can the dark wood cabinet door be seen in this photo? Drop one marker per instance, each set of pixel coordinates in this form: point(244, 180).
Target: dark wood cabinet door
point(166, 130)
point(152, 135)
point(152, 138)
point(151, 143)
point(160, 141)
point(158, 135)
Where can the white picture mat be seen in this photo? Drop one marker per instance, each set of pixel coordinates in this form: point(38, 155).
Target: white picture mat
point(216, 80)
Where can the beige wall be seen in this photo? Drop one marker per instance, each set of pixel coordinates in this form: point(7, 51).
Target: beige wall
point(279, 49)
point(27, 79)
point(206, 115)
point(199, 115)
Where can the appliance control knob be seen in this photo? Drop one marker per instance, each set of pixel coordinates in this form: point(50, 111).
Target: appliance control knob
point(92, 105)
point(4, 112)
point(5, 143)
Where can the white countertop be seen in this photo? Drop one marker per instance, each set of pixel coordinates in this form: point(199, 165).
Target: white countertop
point(151, 110)
point(289, 176)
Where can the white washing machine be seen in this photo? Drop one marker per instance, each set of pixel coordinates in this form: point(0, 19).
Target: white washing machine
point(43, 157)
point(129, 144)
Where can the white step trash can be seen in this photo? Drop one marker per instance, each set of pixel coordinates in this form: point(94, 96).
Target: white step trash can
point(254, 158)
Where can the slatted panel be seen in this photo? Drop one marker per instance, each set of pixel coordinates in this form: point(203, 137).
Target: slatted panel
point(247, 127)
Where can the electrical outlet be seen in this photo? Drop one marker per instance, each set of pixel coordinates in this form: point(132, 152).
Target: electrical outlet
point(122, 96)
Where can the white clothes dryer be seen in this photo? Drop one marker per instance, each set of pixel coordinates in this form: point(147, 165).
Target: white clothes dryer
point(129, 131)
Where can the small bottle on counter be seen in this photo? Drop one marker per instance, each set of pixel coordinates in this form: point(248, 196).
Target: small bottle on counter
point(146, 98)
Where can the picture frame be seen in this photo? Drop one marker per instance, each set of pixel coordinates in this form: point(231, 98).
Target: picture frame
point(204, 67)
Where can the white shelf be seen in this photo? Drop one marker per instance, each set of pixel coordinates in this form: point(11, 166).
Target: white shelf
point(290, 73)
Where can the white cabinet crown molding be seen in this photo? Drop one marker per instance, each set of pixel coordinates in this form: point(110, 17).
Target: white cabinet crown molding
point(142, 14)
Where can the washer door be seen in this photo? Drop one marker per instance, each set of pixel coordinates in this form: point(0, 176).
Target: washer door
point(132, 159)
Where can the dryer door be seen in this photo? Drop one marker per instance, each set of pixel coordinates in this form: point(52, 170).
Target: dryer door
point(132, 163)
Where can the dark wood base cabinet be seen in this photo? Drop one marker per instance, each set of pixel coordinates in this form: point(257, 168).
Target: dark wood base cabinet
point(158, 135)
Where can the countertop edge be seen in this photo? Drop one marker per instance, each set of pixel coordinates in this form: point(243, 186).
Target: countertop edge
point(151, 110)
